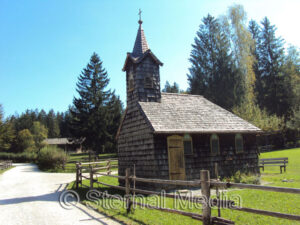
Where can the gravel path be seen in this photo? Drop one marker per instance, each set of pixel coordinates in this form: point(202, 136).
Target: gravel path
point(30, 197)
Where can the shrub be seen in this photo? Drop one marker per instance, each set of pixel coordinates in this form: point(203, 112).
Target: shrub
point(18, 157)
point(245, 178)
point(51, 158)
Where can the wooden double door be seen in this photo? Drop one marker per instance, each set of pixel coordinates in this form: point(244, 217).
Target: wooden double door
point(176, 158)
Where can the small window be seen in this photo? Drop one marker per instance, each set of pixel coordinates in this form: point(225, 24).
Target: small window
point(148, 82)
point(214, 144)
point(188, 144)
point(239, 144)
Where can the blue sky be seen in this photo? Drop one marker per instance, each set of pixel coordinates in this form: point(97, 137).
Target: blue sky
point(45, 44)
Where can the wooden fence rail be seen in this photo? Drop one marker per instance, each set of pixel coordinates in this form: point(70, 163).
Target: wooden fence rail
point(206, 185)
point(5, 164)
point(92, 169)
point(256, 187)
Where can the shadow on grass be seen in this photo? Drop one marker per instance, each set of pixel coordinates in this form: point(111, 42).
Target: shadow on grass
point(272, 174)
point(98, 219)
point(114, 216)
point(82, 193)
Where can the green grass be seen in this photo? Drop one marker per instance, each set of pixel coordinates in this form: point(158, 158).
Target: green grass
point(271, 201)
point(272, 173)
point(2, 171)
point(83, 157)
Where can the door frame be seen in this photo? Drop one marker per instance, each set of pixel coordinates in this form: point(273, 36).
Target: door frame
point(169, 158)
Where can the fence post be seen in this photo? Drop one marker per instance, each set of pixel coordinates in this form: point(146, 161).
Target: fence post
point(80, 173)
point(205, 189)
point(127, 190)
point(134, 176)
point(108, 167)
point(77, 175)
point(217, 189)
point(91, 177)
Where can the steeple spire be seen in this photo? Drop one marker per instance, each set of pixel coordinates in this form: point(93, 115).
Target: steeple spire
point(140, 45)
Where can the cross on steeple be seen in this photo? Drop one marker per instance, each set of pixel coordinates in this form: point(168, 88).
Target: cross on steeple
point(140, 15)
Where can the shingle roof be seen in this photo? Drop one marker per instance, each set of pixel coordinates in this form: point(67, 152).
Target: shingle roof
point(140, 45)
point(64, 141)
point(180, 113)
point(140, 49)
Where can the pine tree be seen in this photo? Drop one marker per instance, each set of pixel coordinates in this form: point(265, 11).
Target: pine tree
point(171, 88)
point(254, 29)
point(90, 111)
point(212, 73)
point(246, 56)
point(115, 111)
point(26, 120)
point(271, 60)
point(64, 121)
point(52, 124)
point(6, 132)
point(42, 117)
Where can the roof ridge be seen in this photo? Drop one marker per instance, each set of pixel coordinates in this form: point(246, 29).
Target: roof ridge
point(167, 93)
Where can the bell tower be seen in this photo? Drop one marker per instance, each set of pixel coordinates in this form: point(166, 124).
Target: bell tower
point(142, 72)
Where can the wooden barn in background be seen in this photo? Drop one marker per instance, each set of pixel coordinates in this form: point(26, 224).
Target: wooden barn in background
point(174, 136)
point(67, 144)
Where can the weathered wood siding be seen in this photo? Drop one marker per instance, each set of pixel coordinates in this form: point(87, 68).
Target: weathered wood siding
point(228, 160)
point(147, 68)
point(136, 140)
point(136, 146)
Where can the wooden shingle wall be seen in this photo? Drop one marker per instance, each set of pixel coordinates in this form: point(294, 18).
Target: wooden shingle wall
point(147, 68)
point(136, 141)
point(136, 145)
point(228, 160)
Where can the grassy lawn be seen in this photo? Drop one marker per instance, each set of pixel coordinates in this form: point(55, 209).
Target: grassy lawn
point(2, 171)
point(271, 201)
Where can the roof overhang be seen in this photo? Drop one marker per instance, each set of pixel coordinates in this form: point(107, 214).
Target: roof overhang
point(207, 132)
point(121, 124)
point(136, 60)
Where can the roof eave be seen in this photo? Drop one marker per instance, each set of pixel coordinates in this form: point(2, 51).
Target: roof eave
point(129, 57)
point(152, 55)
point(208, 131)
point(121, 124)
point(126, 61)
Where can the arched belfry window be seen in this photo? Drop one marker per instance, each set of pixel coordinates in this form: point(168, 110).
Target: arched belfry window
point(130, 82)
point(239, 143)
point(214, 144)
point(188, 144)
point(148, 82)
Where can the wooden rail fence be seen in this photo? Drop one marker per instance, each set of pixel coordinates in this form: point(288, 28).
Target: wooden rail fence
point(5, 164)
point(206, 185)
point(93, 168)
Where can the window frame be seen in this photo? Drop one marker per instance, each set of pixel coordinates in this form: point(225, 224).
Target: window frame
point(235, 141)
point(211, 149)
point(150, 80)
point(188, 137)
